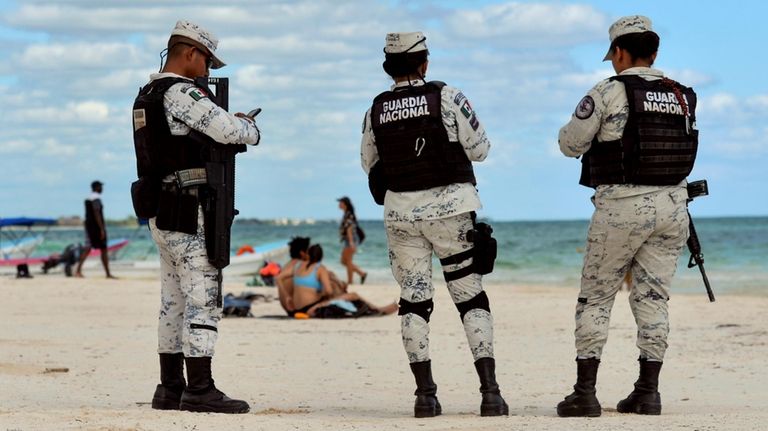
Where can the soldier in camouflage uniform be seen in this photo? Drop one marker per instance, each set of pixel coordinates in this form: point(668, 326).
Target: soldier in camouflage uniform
point(639, 225)
point(189, 314)
point(424, 137)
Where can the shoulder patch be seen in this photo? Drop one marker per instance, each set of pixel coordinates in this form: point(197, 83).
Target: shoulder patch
point(460, 97)
point(585, 108)
point(196, 93)
point(466, 108)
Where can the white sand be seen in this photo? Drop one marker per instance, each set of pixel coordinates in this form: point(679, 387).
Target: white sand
point(353, 374)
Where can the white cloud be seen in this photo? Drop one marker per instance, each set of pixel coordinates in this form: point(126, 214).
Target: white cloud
point(76, 55)
point(256, 77)
point(690, 78)
point(15, 146)
point(758, 102)
point(585, 80)
point(529, 24)
point(73, 113)
point(114, 81)
point(718, 103)
point(53, 148)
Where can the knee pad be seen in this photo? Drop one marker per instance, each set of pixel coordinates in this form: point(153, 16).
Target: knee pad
point(479, 301)
point(422, 308)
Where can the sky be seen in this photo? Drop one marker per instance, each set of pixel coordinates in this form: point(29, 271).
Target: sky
point(69, 71)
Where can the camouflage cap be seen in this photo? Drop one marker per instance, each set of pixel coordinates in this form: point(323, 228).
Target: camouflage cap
point(401, 43)
point(627, 25)
point(193, 34)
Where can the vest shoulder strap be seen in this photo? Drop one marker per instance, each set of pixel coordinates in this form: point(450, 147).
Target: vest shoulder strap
point(160, 86)
point(438, 84)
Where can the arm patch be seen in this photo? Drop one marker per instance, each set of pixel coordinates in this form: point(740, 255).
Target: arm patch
point(196, 93)
point(585, 108)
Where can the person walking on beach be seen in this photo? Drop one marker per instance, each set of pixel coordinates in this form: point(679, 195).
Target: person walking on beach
point(348, 231)
point(95, 230)
point(169, 110)
point(636, 133)
point(419, 141)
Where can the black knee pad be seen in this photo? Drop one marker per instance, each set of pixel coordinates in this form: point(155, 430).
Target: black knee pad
point(479, 301)
point(422, 308)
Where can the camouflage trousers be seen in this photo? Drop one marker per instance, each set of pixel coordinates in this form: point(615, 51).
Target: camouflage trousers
point(189, 315)
point(642, 234)
point(411, 244)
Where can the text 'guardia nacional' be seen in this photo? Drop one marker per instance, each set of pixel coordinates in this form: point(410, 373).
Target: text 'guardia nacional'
point(401, 109)
point(666, 103)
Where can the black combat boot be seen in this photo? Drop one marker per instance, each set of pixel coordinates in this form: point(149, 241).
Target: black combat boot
point(202, 396)
point(426, 405)
point(168, 393)
point(645, 399)
point(493, 404)
point(582, 402)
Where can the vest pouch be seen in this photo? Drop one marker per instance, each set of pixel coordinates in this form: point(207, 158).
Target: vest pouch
point(484, 248)
point(177, 211)
point(145, 195)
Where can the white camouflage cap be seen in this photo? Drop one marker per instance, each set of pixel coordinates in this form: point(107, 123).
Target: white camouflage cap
point(627, 25)
point(189, 32)
point(401, 43)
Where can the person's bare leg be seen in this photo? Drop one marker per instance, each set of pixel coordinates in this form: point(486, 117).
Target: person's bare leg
point(387, 309)
point(83, 256)
point(105, 262)
point(352, 269)
point(346, 260)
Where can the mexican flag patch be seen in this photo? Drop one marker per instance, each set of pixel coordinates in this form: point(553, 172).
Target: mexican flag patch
point(197, 94)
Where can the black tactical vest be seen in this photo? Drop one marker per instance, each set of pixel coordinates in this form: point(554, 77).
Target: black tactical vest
point(412, 143)
point(659, 143)
point(158, 152)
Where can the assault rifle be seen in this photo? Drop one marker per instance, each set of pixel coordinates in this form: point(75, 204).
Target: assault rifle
point(695, 189)
point(219, 211)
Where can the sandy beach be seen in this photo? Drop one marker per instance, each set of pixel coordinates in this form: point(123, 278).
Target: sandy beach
point(81, 354)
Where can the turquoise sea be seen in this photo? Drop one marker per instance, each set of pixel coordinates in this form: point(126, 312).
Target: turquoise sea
point(530, 252)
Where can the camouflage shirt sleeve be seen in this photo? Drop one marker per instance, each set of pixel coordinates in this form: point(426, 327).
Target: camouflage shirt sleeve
point(462, 124)
point(189, 107)
point(576, 137)
point(369, 155)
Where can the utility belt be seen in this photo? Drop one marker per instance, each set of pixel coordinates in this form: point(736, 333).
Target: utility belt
point(181, 194)
point(483, 253)
point(148, 193)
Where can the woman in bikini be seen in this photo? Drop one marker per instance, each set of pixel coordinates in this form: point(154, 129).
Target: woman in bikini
point(312, 286)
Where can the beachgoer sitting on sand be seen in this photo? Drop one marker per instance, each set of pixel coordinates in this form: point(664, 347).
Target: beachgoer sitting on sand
point(312, 288)
point(298, 252)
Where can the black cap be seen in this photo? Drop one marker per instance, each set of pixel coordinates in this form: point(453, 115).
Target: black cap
point(96, 184)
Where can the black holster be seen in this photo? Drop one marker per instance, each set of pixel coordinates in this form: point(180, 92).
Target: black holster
point(485, 248)
point(483, 253)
